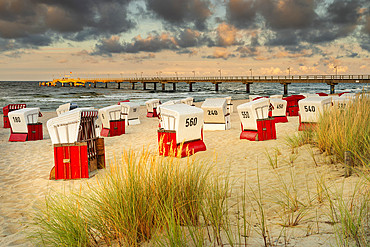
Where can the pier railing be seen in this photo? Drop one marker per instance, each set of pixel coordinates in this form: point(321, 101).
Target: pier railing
point(331, 80)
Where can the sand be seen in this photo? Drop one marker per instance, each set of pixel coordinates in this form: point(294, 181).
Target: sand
point(25, 168)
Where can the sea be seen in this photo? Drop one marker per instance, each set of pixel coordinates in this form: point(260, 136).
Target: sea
point(49, 98)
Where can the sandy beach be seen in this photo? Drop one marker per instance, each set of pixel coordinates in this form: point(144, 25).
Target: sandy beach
point(25, 168)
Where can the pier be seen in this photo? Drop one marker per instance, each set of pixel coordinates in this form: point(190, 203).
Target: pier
point(330, 80)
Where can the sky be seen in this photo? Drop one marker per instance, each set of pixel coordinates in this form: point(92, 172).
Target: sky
point(46, 39)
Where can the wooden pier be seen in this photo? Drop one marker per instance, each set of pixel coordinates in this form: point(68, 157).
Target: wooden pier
point(330, 80)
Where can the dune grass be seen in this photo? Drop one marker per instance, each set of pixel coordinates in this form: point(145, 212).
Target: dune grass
point(140, 198)
point(348, 129)
point(338, 131)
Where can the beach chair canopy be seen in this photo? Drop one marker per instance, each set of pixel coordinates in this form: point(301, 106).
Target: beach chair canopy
point(131, 109)
point(73, 126)
point(341, 102)
point(19, 119)
point(188, 101)
point(109, 113)
point(66, 107)
point(228, 100)
point(215, 110)
point(152, 104)
point(12, 107)
point(349, 95)
point(278, 107)
point(170, 102)
point(310, 108)
point(186, 120)
point(306, 95)
point(252, 97)
point(276, 96)
point(251, 111)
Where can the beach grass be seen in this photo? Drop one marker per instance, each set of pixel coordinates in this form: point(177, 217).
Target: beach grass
point(140, 198)
point(340, 130)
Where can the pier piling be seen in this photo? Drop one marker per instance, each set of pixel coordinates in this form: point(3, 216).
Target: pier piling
point(216, 85)
point(332, 87)
point(285, 87)
point(247, 87)
point(190, 86)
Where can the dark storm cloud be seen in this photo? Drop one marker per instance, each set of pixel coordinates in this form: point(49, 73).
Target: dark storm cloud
point(291, 22)
point(366, 28)
point(189, 38)
point(365, 37)
point(180, 12)
point(220, 57)
point(283, 38)
point(246, 51)
point(240, 13)
point(33, 21)
point(294, 14)
point(153, 43)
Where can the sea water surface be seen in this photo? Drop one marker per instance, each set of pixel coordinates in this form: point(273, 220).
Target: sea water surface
point(49, 98)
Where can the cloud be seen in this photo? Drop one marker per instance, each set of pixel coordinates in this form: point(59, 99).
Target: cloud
point(190, 52)
point(247, 51)
point(180, 13)
point(308, 70)
point(285, 14)
point(189, 38)
point(139, 57)
point(271, 71)
point(220, 52)
point(34, 23)
point(227, 35)
point(241, 13)
point(152, 43)
point(63, 61)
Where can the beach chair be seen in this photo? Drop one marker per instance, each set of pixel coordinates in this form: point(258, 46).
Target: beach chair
point(151, 106)
point(24, 125)
point(216, 116)
point(255, 123)
point(130, 112)
point(292, 108)
point(310, 110)
point(341, 103)
point(229, 105)
point(278, 110)
point(188, 101)
point(112, 123)
point(9, 108)
point(78, 151)
point(180, 132)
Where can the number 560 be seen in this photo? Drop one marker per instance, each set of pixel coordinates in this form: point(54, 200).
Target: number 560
point(191, 122)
